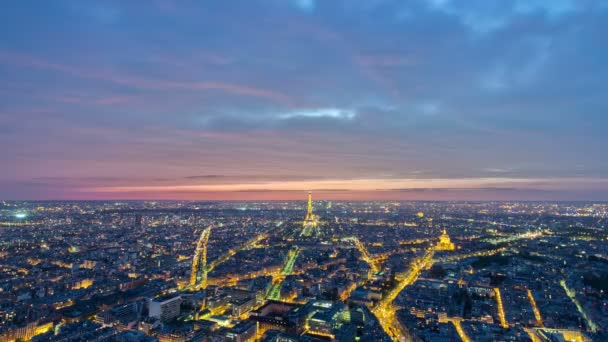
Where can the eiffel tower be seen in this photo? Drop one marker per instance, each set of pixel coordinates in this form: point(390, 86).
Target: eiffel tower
point(311, 220)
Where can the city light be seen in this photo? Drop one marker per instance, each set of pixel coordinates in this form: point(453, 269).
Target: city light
point(500, 308)
point(360, 268)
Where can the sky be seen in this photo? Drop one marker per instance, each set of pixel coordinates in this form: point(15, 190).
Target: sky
point(268, 99)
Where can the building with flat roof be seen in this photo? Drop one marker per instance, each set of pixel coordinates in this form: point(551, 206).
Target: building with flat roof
point(165, 308)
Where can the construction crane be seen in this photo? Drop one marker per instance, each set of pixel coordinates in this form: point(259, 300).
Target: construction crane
point(198, 276)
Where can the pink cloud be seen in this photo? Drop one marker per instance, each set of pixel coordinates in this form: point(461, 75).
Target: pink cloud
point(143, 83)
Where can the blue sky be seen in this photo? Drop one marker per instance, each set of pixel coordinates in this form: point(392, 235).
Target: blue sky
point(437, 99)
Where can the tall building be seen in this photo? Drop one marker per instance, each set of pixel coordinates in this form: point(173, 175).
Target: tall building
point(165, 308)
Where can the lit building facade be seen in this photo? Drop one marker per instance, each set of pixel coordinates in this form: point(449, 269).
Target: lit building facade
point(445, 244)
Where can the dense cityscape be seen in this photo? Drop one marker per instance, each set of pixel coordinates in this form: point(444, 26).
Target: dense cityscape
point(303, 271)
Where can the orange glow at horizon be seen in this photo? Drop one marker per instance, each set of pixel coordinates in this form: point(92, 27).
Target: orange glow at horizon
point(358, 185)
point(356, 189)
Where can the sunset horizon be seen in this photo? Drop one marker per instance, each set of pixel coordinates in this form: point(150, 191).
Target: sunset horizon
point(490, 189)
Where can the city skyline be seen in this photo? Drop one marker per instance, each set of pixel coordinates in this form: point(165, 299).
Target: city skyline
point(303, 271)
point(265, 100)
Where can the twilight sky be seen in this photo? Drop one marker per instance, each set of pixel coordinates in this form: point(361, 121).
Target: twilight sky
point(265, 99)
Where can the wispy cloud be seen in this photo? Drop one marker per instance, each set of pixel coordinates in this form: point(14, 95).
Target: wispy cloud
point(143, 83)
point(496, 170)
point(333, 113)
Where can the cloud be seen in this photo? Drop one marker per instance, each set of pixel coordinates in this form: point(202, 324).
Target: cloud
point(490, 16)
point(305, 5)
point(495, 170)
point(239, 178)
point(205, 177)
point(332, 113)
point(553, 8)
point(144, 83)
point(287, 190)
point(482, 189)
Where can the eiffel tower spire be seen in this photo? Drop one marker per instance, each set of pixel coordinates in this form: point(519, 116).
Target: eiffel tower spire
point(309, 204)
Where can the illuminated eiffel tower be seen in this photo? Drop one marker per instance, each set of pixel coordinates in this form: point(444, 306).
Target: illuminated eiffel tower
point(310, 222)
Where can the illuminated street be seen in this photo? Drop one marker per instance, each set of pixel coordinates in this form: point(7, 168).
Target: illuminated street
point(537, 316)
point(287, 269)
point(365, 255)
point(385, 310)
point(463, 336)
point(572, 295)
point(500, 308)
